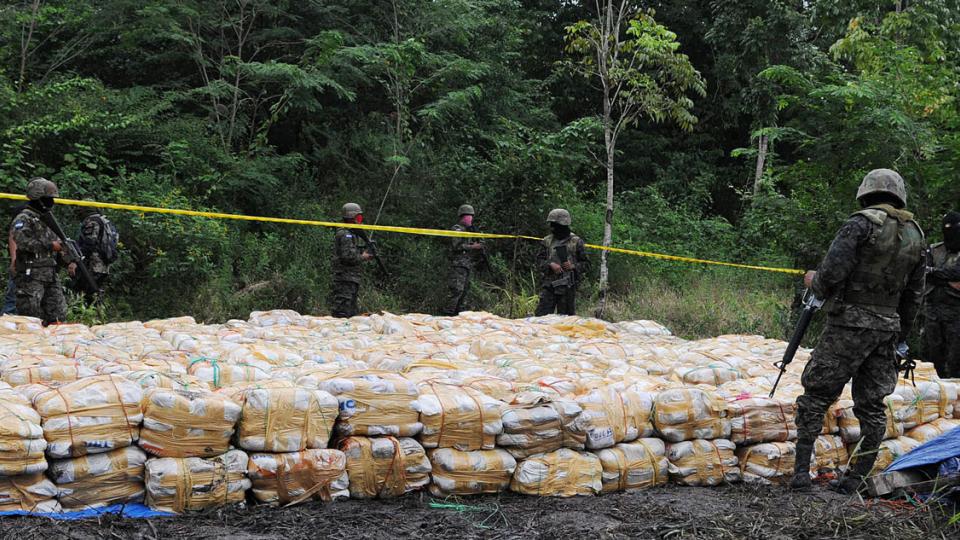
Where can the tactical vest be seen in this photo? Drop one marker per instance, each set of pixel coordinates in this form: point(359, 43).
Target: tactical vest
point(895, 247)
point(943, 258)
point(572, 243)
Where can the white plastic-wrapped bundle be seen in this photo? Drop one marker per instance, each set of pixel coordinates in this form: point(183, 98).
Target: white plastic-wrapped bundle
point(703, 462)
point(100, 479)
point(612, 416)
point(89, 416)
point(44, 369)
point(760, 419)
point(286, 419)
point(470, 473)
point(182, 484)
point(21, 438)
point(850, 426)
point(562, 473)
point(713, 374)
point(458, 417)
point(541, 427)
point(150, 378)
point(28, 493)
point(683, 414)
point(830, 454)
point(295, 477)
point(767, 463)
point(220, 374)
point(180, 423)
point(926, 432)
point(890, 450)
point(926, 401)
point(634, 465)
point(385, 467)
point(376, 404)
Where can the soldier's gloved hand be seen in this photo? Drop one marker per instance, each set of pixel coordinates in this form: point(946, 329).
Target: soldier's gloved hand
point(56, 246)
point(568, 266)
point(808, 278)
point(72, 269)
point(366, 256)
point(903, 350)
point(556, 268)
point(955, 285)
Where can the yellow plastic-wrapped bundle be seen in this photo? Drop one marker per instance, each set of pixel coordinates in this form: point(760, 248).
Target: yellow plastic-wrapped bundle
point(767, 463)
point(180, 423)
point(21, 438)
point(182, 484)
point(703, 462)
point(926, 401)
point(44, 369)
point(683, 414)
point(926, 432)
point(376, 404)
point(286, 419)
point(636, 465)
point(458, 417)
point(890, 450)
point(713, 374)
point(562, 473)
point(612, 416)
point(760, 419)
point(470, 473)
point(89, 416)
point(850, 426)
point(100, 479)
point(20, 324)
point(385, 467)
point(28, 493)
point(541, 426)
point(220, 374)
point(830, 453)
point(149, 378)
point(294, 477)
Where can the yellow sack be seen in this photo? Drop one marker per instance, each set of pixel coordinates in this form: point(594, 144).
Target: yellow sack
point(683, 414)
point(286, 419)
point(294, 477)
point(563, 473)
point(761, 419)
point(28, 493)
point(44, 369)
point(21, 438)
point(830, 454)
point(850, 426)
point(926, 402)
point(703, 463)
point(636, 465)
point(889, 451)
point(100, 479)
point(458, 417)
point(540, 427)
point(612, 416)
point(926, 432)
point(385, 467)
point(376, 404)
point(179, 423)
point(767, 463)
point(183, 484)
point(470, 473)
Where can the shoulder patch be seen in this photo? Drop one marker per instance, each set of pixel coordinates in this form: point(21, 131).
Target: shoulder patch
point(18, 225)
point(348, 235)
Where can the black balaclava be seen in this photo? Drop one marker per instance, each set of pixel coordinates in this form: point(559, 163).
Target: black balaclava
point(560, 232)
point(42, 204)
point(951, 231)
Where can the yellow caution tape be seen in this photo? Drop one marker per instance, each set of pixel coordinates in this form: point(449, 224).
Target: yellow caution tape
point(386, 228)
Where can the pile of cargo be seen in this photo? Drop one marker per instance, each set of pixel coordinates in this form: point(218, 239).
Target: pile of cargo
point(284, 408)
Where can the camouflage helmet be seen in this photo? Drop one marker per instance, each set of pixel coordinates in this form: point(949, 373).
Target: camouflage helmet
point(883, 181)
point(350, 210)
point(559, 216)
point(466, 210)
point(39, 188)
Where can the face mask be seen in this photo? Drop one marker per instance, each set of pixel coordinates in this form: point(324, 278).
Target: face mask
point(467, 220)
point(951, 237)
point(559, 231)
point(46, 203)
point(358, 219)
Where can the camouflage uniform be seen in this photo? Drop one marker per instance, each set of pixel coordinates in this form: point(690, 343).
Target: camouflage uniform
point(941, 333)
point(463, 263)
point(347, 273)
point(90, 230)
point(38, 288)
point(558, 292)
point(872, 279)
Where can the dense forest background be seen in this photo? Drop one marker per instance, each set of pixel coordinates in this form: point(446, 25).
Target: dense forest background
point(291, 108)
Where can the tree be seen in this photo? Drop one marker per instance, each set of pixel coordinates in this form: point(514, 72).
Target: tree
point(635, 64)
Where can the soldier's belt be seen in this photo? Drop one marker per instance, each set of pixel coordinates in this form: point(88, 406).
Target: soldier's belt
point(402, 230)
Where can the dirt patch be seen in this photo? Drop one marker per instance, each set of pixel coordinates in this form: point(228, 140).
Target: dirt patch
point(742, 511)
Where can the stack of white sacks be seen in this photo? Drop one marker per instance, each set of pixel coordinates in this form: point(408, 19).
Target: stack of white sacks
point(283, 408)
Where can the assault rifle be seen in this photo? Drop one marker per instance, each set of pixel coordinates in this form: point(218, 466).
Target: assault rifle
point(905, 363)
point(566, 278)
point(51, 222)
point(810, 306)
point(371, 247)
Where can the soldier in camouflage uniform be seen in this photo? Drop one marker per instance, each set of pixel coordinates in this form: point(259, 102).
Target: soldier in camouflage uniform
point(39, 252)
point(348, 259)
point(561, 277)
point(91, 229)
point(466, 254)
point(941, 333)
point(872, 280)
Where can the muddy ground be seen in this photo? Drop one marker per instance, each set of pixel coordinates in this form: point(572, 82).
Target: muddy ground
point(673, 512)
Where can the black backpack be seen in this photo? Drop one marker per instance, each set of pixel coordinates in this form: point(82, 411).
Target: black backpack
point(106, 242)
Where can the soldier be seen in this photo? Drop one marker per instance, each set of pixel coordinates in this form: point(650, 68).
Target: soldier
point(466, 254)
point(97, 242)
point(563, 262)
point(38, 253)
point(941, 333)
point(348, 257)
point(872, 280)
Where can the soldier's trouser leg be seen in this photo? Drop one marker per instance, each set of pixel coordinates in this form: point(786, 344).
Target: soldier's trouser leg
point(567, 304)
point(29, 297)
point(458, 282)
point(548, 302)
point(10, 300)
point(54, 304)
point(874, 380)
point(343, 299)
point(952, 361)
point(935, 343)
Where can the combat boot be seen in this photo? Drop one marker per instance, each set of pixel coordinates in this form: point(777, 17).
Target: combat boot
point(801, 468)
point(854, 481)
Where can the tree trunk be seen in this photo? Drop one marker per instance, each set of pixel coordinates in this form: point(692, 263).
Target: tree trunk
point(761, 159)
point(608, 216)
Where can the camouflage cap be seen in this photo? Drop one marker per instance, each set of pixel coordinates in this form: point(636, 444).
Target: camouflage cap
point(465, 210)
point(559, 216)
point(39, 188)
point(883, 181)
point(350, 210)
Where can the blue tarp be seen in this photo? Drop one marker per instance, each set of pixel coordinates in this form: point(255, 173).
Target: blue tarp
point(931, 452)
point(135, 510)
